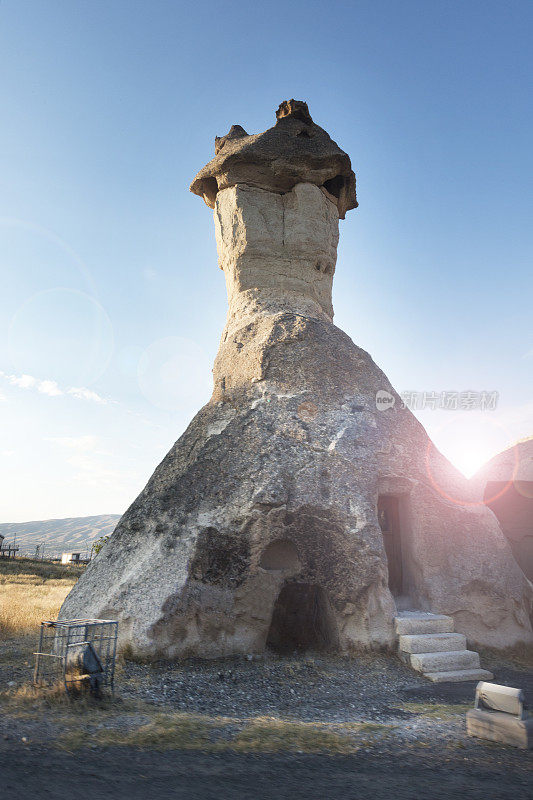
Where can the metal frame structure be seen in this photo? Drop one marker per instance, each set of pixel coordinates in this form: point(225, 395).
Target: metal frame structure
point(60, 639)
point(8, 551)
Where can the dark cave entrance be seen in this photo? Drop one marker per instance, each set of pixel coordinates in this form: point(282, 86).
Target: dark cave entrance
point(303, 619)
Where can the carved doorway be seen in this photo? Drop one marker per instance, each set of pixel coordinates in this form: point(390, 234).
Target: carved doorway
point(389, 522)
point(302, 619)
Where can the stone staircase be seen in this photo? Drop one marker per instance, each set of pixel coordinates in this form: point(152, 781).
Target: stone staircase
point(428, 643)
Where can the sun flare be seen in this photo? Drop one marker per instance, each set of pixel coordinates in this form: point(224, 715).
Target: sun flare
point(468, 440)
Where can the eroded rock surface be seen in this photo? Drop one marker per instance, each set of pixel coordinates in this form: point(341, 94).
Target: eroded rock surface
point(260, 526)
point(295, 150)
point(505, 484)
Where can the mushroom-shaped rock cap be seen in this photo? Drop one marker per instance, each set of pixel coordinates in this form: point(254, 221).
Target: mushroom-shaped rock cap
point(294, 151)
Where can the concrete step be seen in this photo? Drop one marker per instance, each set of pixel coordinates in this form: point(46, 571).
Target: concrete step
point(417, 622)
point(432, 642)
point(458, 675)
point(448, 661)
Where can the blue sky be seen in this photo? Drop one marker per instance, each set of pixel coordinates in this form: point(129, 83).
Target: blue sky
point(112, 303)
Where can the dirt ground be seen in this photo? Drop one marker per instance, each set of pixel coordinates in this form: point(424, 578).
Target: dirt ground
point(311, 726)
point(138, 775)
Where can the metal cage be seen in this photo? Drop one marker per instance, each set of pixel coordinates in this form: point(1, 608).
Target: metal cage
point(80, 653)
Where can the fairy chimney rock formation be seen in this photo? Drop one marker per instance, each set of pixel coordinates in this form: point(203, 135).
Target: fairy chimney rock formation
point(271, 522)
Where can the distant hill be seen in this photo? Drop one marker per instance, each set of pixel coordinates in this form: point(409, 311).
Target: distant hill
point(58, 535)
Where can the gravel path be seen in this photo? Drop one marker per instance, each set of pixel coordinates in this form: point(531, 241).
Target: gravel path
point(313, 688)
point(309, 689)
point(413, 742)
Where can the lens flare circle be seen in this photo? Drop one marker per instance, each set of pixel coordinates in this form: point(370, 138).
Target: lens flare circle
point(14, 224)
point(63, 334)
point(525, 488)
point(174, 374)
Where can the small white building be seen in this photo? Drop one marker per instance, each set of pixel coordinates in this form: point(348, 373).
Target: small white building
point(70, 558)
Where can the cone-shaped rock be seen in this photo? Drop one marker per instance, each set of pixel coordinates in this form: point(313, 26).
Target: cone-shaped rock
point(506, 485)
point(303, 497)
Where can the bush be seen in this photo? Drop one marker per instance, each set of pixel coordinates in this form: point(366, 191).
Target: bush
point(99, 543)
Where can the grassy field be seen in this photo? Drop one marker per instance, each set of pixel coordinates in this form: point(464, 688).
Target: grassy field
point(32, 591)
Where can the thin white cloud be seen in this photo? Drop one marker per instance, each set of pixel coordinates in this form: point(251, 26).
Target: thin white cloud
point(80, 443)
point(49, 387)
point(52, 389)
point(92, 473)
point(82, 393)
point(22, 381)
point(89, 465)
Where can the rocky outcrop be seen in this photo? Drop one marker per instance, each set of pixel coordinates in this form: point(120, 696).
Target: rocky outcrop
point(260, 527)
point(294, 151)
point(505, 485)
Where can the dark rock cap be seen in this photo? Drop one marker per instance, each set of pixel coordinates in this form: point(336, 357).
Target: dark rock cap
point(294, 151)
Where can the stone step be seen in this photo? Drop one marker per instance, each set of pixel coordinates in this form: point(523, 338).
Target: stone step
point(417, 622)
point(458, 675)
point(432, 642)
point(447, 661)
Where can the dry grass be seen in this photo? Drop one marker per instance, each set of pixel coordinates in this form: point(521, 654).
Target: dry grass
point(27, 700)
point(31, 591)
point(271, 735)
point(178, 731)
point(185, 731)
point(33, 702)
